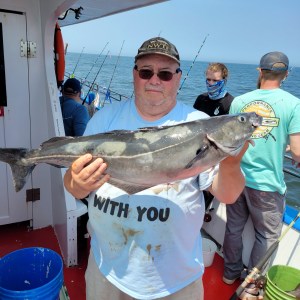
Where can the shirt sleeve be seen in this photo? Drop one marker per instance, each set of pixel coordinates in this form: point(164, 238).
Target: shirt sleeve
point(294, 125)
point(206, 178)
point(235, 106)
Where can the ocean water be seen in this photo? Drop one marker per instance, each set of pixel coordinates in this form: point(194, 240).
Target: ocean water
point(115, 73)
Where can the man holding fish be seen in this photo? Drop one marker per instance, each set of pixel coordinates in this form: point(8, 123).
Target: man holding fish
point(146, 244)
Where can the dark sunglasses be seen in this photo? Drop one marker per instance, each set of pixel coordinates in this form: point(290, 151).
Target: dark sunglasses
point(162, 75)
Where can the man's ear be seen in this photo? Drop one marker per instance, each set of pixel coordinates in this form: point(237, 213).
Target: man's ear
point(286, 76)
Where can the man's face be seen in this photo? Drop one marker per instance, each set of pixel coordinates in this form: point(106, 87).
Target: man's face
point(155, 97)
point(213, 77)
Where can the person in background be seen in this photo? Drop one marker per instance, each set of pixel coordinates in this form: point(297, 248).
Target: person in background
point(217, 100)
point(264, 195)
point(75, 118)
point(132, 257)
point(75, 115)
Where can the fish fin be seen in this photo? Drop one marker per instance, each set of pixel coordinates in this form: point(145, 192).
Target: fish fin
point(200, 154)
point(20, 172)
point(117, 131)
point(143, 129)
point(153, 128)
point(56, 139)
point(129, 188)
point(57, 166)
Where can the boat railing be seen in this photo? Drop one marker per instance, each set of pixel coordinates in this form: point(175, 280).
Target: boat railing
point(289, 171)
point(97, 88)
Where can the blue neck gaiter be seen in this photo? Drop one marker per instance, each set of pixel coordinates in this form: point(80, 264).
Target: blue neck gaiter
point(217, 90)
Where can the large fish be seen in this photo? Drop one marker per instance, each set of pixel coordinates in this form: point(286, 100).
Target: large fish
point(146, 157)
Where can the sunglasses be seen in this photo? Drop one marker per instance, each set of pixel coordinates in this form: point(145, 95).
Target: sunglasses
point(146, 74)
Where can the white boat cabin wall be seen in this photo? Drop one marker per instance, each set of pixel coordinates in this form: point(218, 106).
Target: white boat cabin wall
point(30, 115)
point(30, 112)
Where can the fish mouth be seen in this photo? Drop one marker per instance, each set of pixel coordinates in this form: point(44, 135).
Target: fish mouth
point(231, 150)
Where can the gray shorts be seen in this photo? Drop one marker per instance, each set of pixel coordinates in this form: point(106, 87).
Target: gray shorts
point(266, 211)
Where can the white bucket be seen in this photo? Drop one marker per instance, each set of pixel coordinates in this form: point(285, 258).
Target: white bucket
point(209, 249)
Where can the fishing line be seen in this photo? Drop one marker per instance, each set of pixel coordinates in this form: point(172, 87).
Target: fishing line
point(115, 66)
point(107, 95)
point(95, 63)
point(91, 86)
point(73, 74)
point(187, 74)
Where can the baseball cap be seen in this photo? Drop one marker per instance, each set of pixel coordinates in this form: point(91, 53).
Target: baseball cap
point(72, 86)
point(274, 61)
point(158, 45)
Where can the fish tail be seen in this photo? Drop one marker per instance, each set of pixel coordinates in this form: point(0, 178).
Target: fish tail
point(20, 170)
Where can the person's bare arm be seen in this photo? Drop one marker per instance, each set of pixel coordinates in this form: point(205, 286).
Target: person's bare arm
point(229, 181)
point(294, 148)
point(84, 177)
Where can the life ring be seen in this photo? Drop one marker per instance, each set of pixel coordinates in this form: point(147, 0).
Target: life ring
point(59, 56)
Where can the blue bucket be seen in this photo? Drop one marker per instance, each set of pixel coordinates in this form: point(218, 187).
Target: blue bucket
point(31, 273)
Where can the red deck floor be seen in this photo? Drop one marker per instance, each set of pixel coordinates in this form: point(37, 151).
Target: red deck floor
point(16, 236)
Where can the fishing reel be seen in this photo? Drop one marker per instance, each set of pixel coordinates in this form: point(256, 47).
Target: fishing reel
point(254, 289)
point(208, 198)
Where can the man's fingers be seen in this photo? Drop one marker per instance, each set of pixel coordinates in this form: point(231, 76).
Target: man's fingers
point(81, 162)
point(244, 149)
point(89, 171)
point(96, 170)
point(98, 183)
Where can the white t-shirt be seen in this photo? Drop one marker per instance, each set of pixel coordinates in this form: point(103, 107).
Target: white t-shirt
point(148, 244)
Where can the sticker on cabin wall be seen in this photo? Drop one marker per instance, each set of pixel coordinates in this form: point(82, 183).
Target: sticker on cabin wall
point(269, 121)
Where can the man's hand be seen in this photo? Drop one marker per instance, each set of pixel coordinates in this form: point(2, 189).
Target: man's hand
point(85, 176)
point(236, 160)
point(295, 164)
point(229, 182)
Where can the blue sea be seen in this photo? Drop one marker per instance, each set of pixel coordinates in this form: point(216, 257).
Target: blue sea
point(115, 73)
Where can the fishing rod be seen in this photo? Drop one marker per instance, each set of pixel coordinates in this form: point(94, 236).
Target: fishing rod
point(257, 269)
point(187, 74)
point(91, 86)
point(66, 48)
point(95, 62)
point(108, 89)
point(100, 89)
point(73, 74)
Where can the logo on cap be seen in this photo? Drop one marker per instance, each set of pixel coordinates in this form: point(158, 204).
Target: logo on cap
point(158, 45)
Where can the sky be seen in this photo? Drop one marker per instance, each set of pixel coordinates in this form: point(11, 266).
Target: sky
point(237, 31)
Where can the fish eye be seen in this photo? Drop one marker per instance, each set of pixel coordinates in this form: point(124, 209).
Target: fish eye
point(242, 119)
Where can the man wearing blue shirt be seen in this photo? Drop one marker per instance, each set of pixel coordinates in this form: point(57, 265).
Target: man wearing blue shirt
point(148, 245)
point(75, 115)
